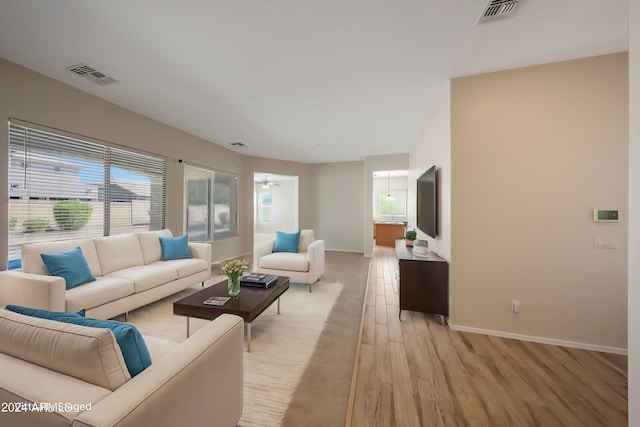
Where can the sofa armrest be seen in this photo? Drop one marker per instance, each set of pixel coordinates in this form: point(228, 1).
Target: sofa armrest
point(201, 251)
point(32, 290)
point(199, 383)
point(262, 249)
point(316, 259)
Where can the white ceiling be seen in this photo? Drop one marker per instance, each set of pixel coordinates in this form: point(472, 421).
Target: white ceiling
point(299, 80)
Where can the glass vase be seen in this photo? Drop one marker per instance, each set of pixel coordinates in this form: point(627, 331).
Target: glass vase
point(233, 286)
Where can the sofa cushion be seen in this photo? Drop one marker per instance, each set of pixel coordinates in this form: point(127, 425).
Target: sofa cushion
point(306, 238)
point(118, 252)
point(286, 261)
point(100, 292)
point(175, 248)
point(70, 265)
point(145, 277)
point(32, 263)
point(43, 314)
point(150, 244)
point(286, 242)
point(134, 350)
point(89, 354)
point(184, 267)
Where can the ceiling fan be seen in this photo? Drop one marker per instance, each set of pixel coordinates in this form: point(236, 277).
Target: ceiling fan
point(266, 184)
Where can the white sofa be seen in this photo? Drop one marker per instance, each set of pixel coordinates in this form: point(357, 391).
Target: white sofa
point(194, 383)
point(305, 266)
point(128, 268)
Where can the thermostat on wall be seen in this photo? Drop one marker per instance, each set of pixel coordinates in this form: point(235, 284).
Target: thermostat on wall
point(605, 215)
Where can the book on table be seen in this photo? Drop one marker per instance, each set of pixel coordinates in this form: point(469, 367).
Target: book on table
point(258, 280)
point(217, 300)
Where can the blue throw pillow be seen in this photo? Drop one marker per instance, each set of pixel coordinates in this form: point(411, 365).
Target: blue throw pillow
point(70, 265)
point(134, 349)
point(286, 242)
point(175, 248)
point(43, 314)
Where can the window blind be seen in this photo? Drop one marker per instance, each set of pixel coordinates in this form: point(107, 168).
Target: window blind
point(64, 188)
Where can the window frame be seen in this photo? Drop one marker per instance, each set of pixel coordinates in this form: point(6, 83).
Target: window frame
point(211, 180)
point(395, 193)
point(49, 165)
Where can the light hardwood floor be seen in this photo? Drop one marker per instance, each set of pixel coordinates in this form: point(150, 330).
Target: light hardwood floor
point(417, 372)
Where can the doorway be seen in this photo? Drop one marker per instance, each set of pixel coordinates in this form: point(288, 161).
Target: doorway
point(275, 200)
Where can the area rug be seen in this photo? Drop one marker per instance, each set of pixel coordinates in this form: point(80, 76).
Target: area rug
point(301, 360)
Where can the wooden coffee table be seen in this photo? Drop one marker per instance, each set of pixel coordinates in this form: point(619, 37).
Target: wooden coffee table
point(249, 304)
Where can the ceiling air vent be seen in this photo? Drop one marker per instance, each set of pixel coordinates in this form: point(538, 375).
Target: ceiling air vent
point(497, 9)
point(91, 73)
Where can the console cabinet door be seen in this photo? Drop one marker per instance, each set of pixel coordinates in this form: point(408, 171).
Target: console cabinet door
point(424, 286)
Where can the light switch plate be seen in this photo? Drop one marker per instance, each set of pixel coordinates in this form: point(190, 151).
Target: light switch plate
point(605, 242)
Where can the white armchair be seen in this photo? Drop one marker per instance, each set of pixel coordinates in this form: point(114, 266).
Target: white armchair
point(305, 266)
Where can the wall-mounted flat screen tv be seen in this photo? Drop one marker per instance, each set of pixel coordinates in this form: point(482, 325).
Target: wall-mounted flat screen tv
point(427, 202)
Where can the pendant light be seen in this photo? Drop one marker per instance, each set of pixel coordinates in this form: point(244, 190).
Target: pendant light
point(389, 196)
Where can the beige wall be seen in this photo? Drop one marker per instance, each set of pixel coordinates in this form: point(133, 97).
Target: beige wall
point(533, 151)
point(634, 213)
point(434, 148)
point(337, 203)
point(35, 98)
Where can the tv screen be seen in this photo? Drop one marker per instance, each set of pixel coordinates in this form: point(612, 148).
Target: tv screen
point(427, 202)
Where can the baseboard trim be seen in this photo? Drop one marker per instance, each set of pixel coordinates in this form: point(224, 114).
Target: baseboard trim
point(541, 340)
point(354, 251)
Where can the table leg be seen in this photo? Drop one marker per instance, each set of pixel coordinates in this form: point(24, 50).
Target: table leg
point(187, 326)
point(248, 337)
point(278, 305)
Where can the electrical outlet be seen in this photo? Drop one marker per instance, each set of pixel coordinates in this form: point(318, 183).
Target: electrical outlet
point(515, 306)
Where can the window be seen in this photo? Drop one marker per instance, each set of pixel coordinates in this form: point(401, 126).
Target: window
point(212, 204)
point(395, 205)
point(264, 206)
point(62, 187)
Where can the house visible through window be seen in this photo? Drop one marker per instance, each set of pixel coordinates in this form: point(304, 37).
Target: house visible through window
point(212, 204)
point(62, 187)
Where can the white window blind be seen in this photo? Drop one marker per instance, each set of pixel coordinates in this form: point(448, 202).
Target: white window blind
point(65, 188)
point(211, 204)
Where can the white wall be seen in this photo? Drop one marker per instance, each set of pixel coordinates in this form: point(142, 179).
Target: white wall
point(434, 148)
point(523, 193)
point(336, 204)
point(634, 214)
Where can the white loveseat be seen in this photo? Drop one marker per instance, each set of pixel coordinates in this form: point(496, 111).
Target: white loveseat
point(61, 374)
point(128, 268)
point(305, 266)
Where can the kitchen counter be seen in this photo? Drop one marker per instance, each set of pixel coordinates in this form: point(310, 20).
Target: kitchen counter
point(385, 233)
